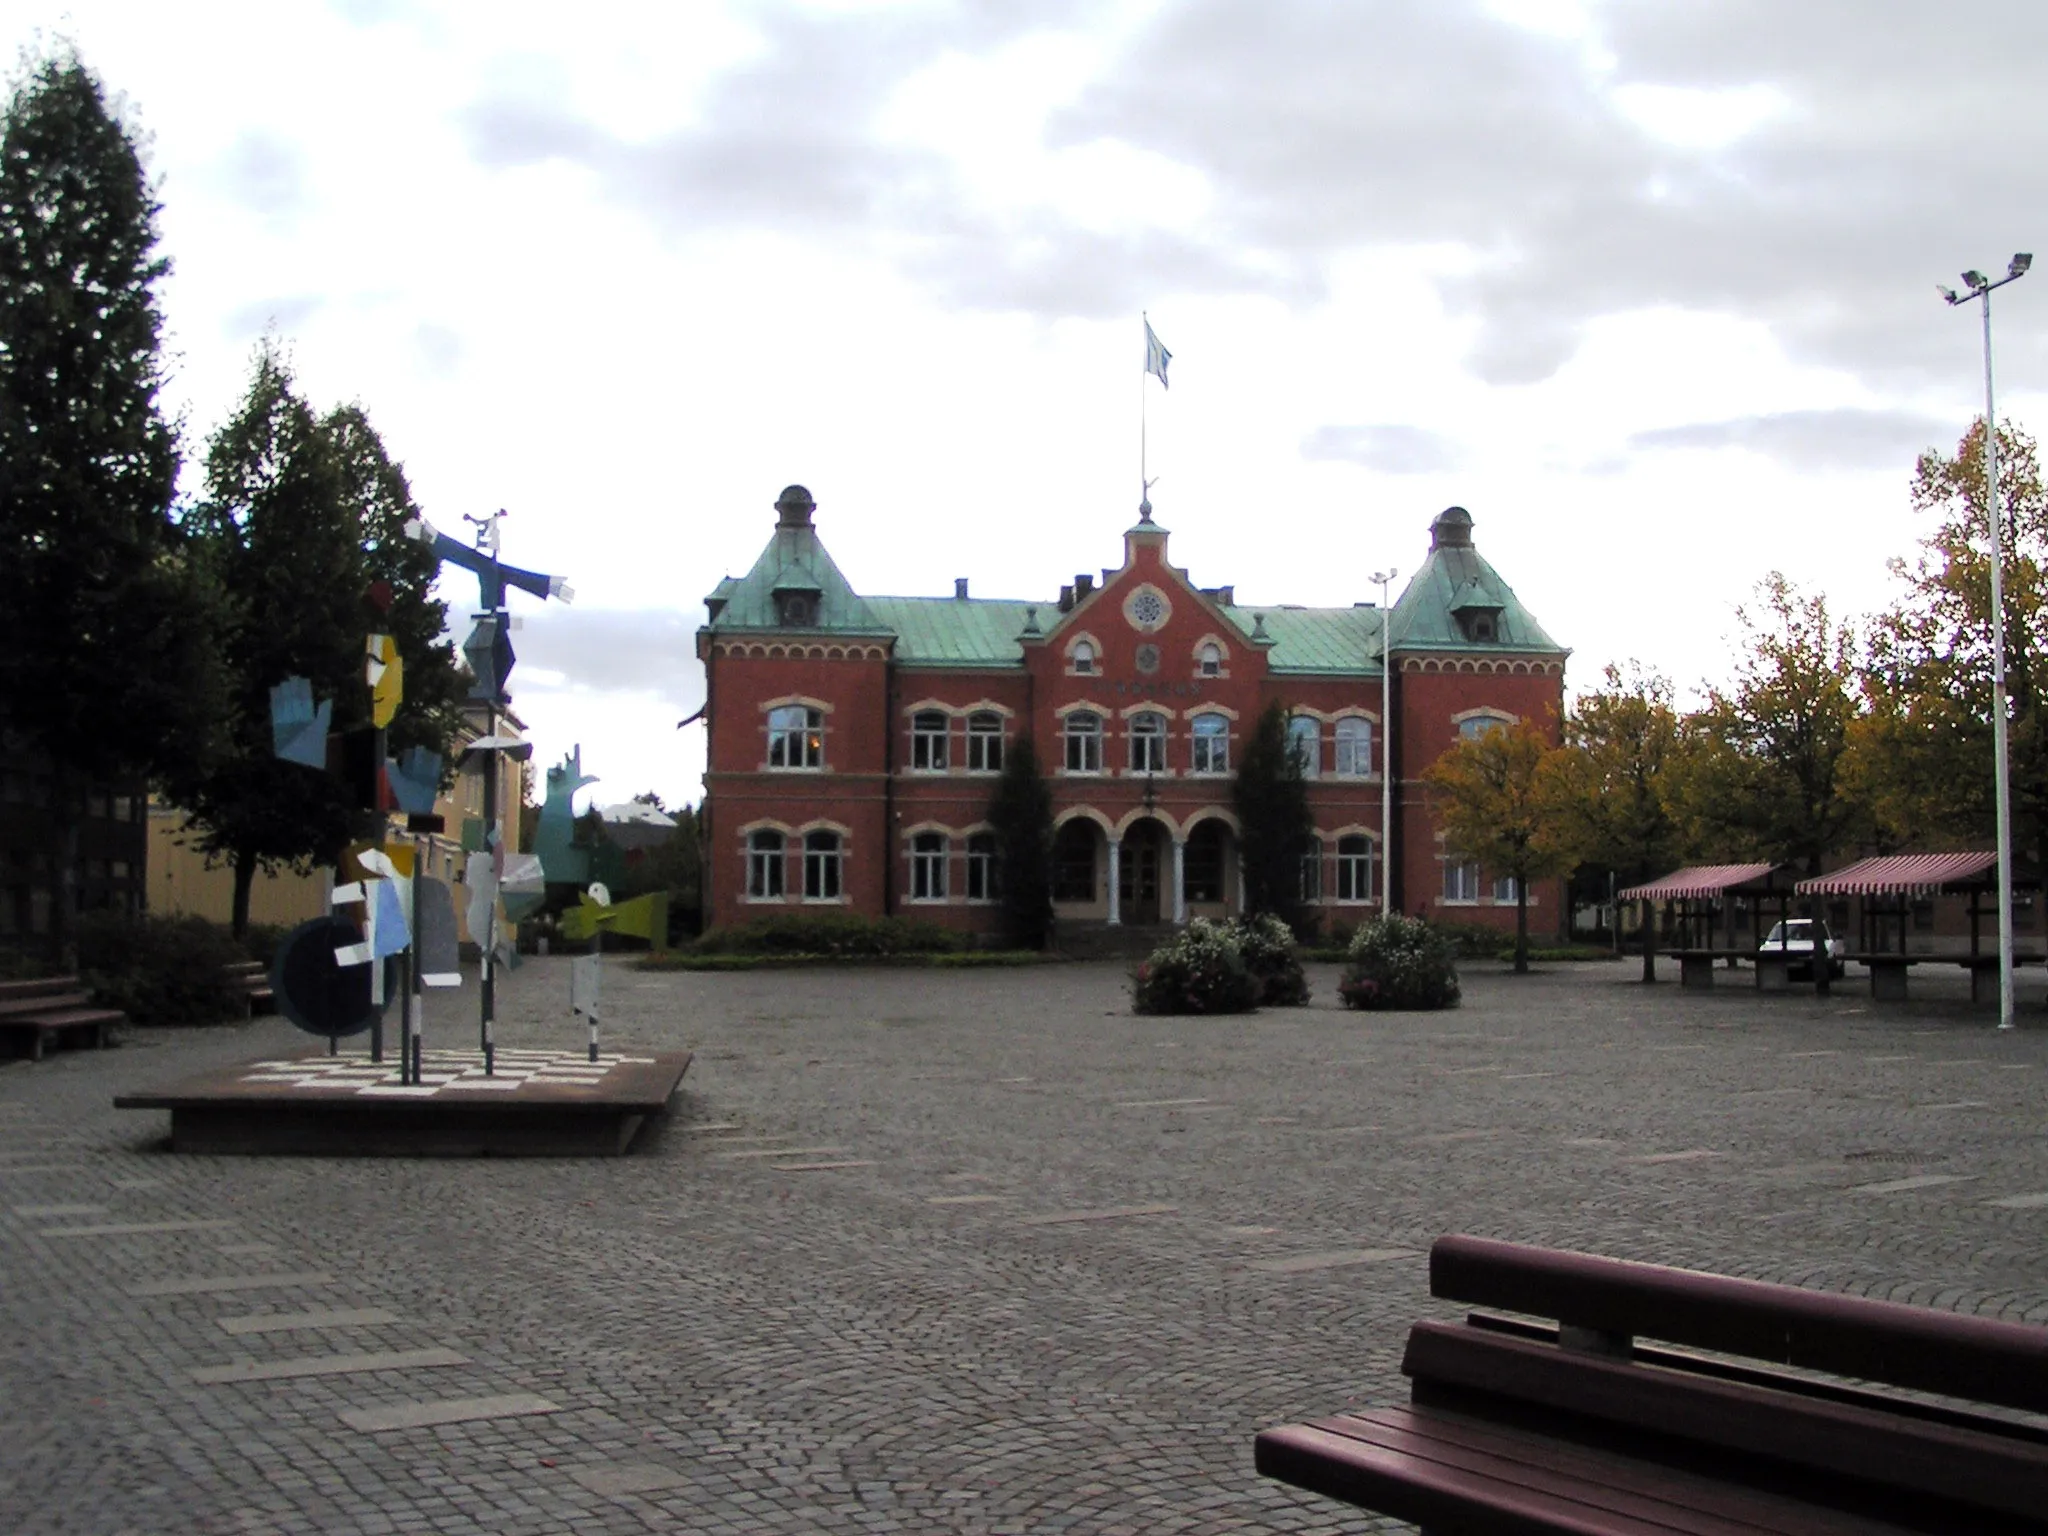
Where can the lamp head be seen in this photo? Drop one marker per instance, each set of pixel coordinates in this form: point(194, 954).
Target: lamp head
point(1948, 293)
point(1976, 280)
point(2020, 262)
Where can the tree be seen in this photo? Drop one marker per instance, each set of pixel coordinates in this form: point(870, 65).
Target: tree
point(109, 671)
point(1615, 780)
point(1020, 811)
point(1499, 794)
point(299, 526)
point(1270, 797)
point(1765, 771)
point(1922, 756)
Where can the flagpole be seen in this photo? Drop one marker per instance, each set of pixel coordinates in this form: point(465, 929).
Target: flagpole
point(1144, 485)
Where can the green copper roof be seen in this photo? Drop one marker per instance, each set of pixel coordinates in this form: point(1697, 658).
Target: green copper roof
point(1317, 640)
point(794, 561)
point(1455, 577)
point(956, 631)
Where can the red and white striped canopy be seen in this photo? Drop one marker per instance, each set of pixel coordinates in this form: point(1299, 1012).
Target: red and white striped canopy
point(1696, 881)
point(1917, 874)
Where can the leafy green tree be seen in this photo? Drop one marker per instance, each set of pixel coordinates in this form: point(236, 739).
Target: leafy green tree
point(1615, 778)
point(675, 865)
point(109, 672)
point(1923, 754)
point(1496, 797)
point(1270, 797)
point(298, 523)
point(1765, 772)
point(1020, 811)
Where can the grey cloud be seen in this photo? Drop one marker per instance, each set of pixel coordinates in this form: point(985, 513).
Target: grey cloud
point(1836, 439)
point(1394, 450)
point(284, 314)
point(440, 349)
point(638, 651)
point(265, 174)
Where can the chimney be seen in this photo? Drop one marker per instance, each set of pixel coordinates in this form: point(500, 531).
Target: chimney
point(1066, 599)
point(1083, 585)
point(959, 586)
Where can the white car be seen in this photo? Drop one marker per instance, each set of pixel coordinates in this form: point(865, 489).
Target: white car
point(1793, 939)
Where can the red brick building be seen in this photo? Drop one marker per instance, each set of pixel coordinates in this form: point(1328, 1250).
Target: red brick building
point(855, 741)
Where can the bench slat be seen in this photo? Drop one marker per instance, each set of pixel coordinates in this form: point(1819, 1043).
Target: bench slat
point(1454, 1473)
point(1855, 1444)
point(1902, 1346)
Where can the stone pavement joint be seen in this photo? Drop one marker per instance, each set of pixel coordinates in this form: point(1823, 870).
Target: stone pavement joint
point(327, 1365)
point(449, 1410)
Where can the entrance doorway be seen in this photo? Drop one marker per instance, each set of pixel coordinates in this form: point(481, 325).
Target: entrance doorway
point(1139, 874)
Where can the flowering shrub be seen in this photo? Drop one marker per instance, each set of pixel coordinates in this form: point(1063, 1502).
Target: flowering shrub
point(1400, 962)
point(1267, 945)
point(1198, 970)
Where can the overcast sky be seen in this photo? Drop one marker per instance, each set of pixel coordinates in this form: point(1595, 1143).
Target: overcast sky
point(1648, 287)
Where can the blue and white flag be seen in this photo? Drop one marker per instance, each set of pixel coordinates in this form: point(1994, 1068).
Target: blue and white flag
point(1156, 356)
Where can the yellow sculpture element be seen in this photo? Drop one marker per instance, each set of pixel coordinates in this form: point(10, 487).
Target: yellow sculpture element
point(386, 674)
point(644, 917)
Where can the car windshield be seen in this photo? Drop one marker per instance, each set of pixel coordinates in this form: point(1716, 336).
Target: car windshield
point(1800, 932)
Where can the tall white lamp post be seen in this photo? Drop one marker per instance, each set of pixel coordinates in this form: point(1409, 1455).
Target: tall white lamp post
point(1386, 579)
point(1981, 288)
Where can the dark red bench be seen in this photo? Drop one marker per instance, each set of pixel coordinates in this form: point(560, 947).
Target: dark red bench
point(1573, 1427)
point(55, 1011)
point(251, 980)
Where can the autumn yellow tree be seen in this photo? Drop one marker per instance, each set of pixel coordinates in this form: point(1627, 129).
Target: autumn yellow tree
point(1495, 797)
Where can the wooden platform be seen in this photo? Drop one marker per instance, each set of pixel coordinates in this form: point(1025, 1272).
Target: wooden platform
point(540, 1103)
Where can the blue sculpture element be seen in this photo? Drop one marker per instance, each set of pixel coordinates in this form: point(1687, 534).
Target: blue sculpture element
point(493, 576)
point(298, 729)
point(553, 838)
point(415, 778)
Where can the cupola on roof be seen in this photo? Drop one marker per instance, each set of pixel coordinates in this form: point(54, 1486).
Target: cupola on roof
point(1451, 530)
point(794, 507)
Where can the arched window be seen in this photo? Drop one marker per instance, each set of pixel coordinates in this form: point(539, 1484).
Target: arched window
point(1073, 862)
point(796, 737)
point(928, 728)
point(1083, 657)
point(1305, 744)
point(824, 866)
point(1475, 726)
point(1202, 864)
point(1084, 742)
point(764, 865)
point(1354, 748)
point(1211, 735)
point(981, 867)
point(1354, 868)
point(928, 866)
point(985, 742)
point(1209, 661)
point(1148, 743)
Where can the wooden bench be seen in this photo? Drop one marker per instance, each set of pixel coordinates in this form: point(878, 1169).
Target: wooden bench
point(56, 1011)
point(252, 979)
point(1576, 1428)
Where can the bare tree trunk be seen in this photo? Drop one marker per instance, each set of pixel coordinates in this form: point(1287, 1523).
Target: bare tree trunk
point(1521, 927)
point(245, 880)
point(64, 818)
point(1649, 943)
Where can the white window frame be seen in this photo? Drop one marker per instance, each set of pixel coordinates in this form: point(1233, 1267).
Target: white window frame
point(1504, 890)
point(1209, 660)
point(929, 745)
point(796, 731)
point(1354, 868)
point(1148, 729)
point(981, 867)
point(825, 867)
point(1353, 735)
point(930, 852)
point(1209, 746)
point(1084, 743)
point(767, 868)
point(1084, 658)
point(985, 742)
point(1311, 738)
point(1461, 882)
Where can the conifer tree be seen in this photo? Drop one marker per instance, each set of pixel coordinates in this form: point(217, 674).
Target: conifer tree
point(108, 673)
point(1270, 796)
point(1021, 814)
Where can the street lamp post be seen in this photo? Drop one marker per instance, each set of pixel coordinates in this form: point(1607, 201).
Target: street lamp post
point(1386, 579)
point(1980, 289)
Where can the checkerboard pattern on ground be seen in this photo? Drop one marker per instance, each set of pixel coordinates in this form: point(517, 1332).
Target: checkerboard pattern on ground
point(449, 1072)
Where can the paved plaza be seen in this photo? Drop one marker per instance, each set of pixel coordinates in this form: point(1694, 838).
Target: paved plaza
point(965, 1251)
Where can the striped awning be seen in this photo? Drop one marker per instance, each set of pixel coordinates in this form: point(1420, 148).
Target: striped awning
point(1910, 874)
point(1696, 881)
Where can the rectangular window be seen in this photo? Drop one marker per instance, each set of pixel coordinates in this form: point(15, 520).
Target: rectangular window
point(1148, 744)
point(1354, 748)
point(823, 858)
point(1305, 745)
point(981, 867)
point(928, 732)
point(796, 737)
point(1461, 881)
point(1212, 744)
point(984, 743)
point(1504, 889)
point(1354, 869)
point(764, 866)
point(928, 867)
point(1084, 743)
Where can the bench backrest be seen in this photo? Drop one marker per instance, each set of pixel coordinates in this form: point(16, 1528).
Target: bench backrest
point(1918, 1348)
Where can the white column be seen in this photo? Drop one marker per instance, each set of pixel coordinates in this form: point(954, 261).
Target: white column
point(1180, 882)
point(1115, 882)
point(1243, 899)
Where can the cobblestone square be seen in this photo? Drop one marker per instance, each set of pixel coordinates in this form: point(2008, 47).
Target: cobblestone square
point(968, 1251)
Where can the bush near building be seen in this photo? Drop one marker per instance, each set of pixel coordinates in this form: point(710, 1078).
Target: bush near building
point(1400, 962)
point(160, 970)
point(843, 934)
point(1273, 957)
point(1201, 969)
